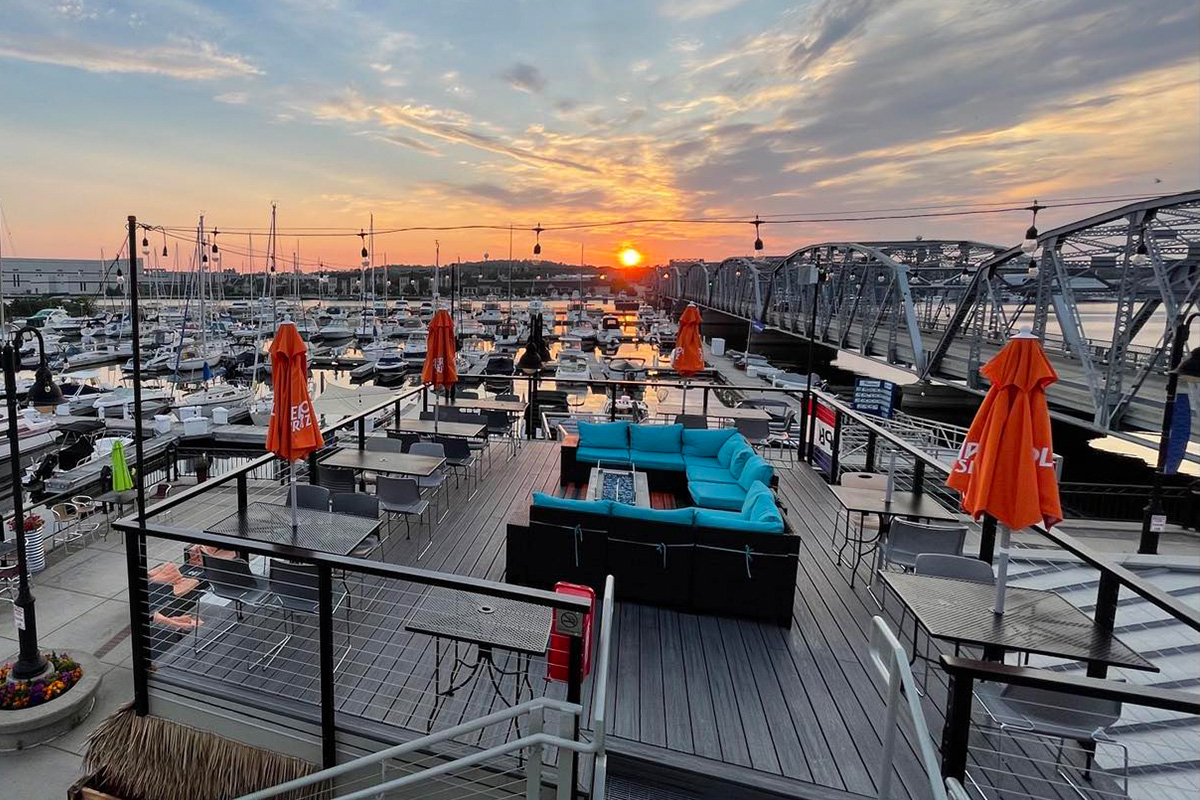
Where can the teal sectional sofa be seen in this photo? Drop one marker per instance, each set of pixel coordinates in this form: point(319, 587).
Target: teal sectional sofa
point(731, 553)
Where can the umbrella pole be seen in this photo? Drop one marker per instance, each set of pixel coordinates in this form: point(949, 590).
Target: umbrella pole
point(295, 525)
point(1001, 570)
point(683, 400)
point(435, 415)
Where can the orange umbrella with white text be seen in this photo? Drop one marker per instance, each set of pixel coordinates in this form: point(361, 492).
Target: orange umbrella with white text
point(293, 431)
point(1005, 467)
point(688, 356)
point(439, 369)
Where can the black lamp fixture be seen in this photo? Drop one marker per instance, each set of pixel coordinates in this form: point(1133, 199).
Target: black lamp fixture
point(216, 253)
point(1141, 256)
point(1030, 245)
point(164, 235)
point(366, 259)
point(537, 239)
point(758, 242)
point(120, 278)
point(145, 245)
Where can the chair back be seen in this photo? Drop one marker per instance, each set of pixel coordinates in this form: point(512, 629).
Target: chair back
point(454, 447)
point(907, 539)
point(1064, 710)
point(508, 397)
point(311, 496)
point(397, 491)
point(406, 439)
point(428, 449)
point(229, 575)
point(963, 568)
point(294, 581)
point(161, 491)
point(64, 512)
point(863, 480)
point(356, 504)
point(755, 430)
point(497, 421)
point(691, 420)
point(335, 479)
point(379, 444)
point(428, 415)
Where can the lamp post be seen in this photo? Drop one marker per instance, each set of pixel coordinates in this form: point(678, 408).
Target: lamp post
point(30, 662)
point(1153, 516)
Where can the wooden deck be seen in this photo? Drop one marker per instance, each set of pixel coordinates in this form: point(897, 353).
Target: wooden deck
point(788, 711)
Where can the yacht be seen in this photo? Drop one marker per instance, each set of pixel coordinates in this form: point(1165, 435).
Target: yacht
point(610, 331)
point(663, 334)
point(336, 332)
point(365, 330)
point(574, 368)
point(66, 325)
point(377, 350)
point(415, 346)
point(583, 330)
point(101, 354)
point(393, 363)
point(117, 401)
point(491, 314)
point(507, 334)
point(223, 395)
point(186, 359)
point(471, 327)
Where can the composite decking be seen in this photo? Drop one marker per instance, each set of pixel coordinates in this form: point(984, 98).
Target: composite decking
point(794, 711)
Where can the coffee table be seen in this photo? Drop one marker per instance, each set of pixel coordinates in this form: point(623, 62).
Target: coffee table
point(635, 491)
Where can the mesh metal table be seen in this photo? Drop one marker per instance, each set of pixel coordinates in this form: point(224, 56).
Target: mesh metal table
point(1034, 621)
point(316, 530)
point(468, 618)
point(865, 502)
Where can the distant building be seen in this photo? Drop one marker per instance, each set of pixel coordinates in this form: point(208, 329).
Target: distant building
point(70, 276)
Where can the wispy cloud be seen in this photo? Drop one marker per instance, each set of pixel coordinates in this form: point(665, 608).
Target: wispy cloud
point(233, 98)
point(524, 78)
point(199, 61)
point(695, 9)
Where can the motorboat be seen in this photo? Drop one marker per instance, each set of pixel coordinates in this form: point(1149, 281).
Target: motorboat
point(584, 330)
point(610, 331)
point(101, 354)
point(186, 360)
point(81, 390)
point(507, 334)
point(220, 396)
point(663, 334)
point(491, 314)
point(471, 327)
point(376, 350)
point(627, 407)
point(415, 346)
point(366, 330)
point(64, 324)
point(626, 369)
point(336, 332)
point(574, 368)
point(393, 363)
point(411, 325)
point(115, 403)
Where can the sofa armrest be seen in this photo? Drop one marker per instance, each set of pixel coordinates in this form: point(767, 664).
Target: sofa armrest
point(570, 440)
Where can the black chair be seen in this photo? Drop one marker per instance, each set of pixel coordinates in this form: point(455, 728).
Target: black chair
point(230, 579)
point(295, 589)
point(691, 420)
point(335, 479)
point(361, 505)
point(405, 438)
point(459, 458)
point(311, 496)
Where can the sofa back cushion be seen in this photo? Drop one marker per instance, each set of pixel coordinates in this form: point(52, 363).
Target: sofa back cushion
point(656, 438)
point(756, 490)
point(707, 518)
point(741, 457)
point(765, 510)
point(543, 500)
point(675, 516)
point(705, 441)
point(604, 434)
point(756, 469)
point(731, 446)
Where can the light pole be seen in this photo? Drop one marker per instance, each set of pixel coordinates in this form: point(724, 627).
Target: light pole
point(1153, 516)
point(30, 662)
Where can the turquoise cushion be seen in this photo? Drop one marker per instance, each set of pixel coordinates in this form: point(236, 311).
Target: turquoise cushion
point(756, 469)
point(656, 438)
point(543, 500)
point(677, 516)
point(707, 518)
point(725, 454)
point(645, 459)
point(710, 474)
point(765, 510)
point(593, 455)
point(701, 461)
point(738, 463)
point(604, 434)
point(703, 442)
point(729, 496)
point(755, 491)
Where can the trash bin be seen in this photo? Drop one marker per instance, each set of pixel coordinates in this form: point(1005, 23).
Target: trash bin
point(718, 346)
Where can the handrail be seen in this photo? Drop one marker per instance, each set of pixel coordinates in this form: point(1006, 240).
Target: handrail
point(600, 699)
point(218, 480)
point(364, 566)
point(1149, 592)
point(479, 723)
point(890, 663)
point(1149, 696)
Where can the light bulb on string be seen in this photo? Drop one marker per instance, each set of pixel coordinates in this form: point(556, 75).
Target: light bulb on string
point(1030, 244)
point(366, 260)
point(145, 246)
point(537, 243)
point(1141, 256)
point(758, 242)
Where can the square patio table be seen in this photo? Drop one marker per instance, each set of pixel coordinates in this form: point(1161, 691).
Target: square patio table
point(463, 430)
point(1034, 620)
point(340, 534)
point(507, 406)
point(388, 463)
point(862, 501)
point(489, 623)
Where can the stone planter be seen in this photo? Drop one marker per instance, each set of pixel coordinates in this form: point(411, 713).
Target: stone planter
point(33, 726)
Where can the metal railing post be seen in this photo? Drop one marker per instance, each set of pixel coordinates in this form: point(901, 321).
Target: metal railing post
point(325, 644)
point(424, 398)
point(534, 758)
point(312, 467)
point(802, 444)
point(836, 446)
point(139, 613)
point(612, 402)
point(704, 408)
point(957, 729)
point(870, 457)
point(918, 477)
point(243, 493)
point(574, 695)
point(362, 433)
point(531, 428)
point(396, 416)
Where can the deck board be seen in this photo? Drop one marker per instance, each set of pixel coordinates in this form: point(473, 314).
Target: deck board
point(793, 704)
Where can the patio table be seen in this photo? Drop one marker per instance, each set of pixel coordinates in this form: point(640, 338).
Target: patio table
point(1034, 621)
point(862, 501)
point(507, 406)
point(340, 534)
point(468, 618)
point(463, 430)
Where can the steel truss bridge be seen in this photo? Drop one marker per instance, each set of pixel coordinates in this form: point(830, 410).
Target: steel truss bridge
point(941, 309)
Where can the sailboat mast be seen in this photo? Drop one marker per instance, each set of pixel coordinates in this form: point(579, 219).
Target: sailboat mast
point(201, 260)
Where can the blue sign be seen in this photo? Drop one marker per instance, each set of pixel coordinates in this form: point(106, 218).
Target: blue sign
point(874, 396)
point(757, 326)
point(1178, 434)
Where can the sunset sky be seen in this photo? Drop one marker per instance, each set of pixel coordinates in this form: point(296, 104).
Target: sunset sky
point(460, 113)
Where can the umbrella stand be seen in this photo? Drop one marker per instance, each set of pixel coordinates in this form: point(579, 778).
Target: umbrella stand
point(295, 524)
point(1001, 569)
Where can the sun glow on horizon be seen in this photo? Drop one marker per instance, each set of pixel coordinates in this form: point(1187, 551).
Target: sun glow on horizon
point(629, 256)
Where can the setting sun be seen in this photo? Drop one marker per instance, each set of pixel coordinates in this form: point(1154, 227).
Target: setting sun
point(629, 257)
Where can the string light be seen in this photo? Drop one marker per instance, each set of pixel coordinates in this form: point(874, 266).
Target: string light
point(1141, 256)
point(366, 261)
point(1030, 245)
point(145, 246)
point(758, 242)
point(537, 239)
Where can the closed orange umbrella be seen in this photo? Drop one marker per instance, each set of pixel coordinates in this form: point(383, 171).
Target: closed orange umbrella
point(688, 356)
point(439, 369)
point(293, 431)
point(1006, 465)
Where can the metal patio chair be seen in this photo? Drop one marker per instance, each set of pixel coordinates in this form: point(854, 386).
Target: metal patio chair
point(435, 483)
point(402, 496)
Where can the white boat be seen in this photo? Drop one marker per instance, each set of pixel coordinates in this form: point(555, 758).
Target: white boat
point(415, 346)
point(223, 395)
point(261, 408)
point(184, 360)
point(584, 330)
point(610, 331)
point(391, 364)
point(115, 402)
point(663, 334)
point(573, 369)
point(64, 324)
point(87, 389)
point(376, 350)
point(536, 306)
point(491, 314)
point(471, 327)
point(101, 354)
point(507, 334)
point(336, 331)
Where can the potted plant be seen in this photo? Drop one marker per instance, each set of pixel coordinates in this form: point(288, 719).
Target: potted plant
point(35, 549)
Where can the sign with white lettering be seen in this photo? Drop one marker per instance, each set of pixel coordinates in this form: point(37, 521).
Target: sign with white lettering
point(1158, 523)
point(826, 422)
point(19, 618)
point(874, 396)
